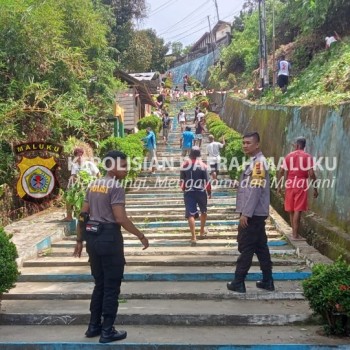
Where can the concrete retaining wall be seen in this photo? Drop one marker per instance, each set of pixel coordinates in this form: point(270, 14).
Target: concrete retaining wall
point(327, 131)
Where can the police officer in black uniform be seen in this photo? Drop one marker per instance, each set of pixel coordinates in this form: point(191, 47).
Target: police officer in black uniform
point(102, 216)
point(253, 200)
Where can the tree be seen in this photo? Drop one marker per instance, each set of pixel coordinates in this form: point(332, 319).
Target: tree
point(138, 58)
point(124, 12)
point(55, 70)
point(176, 48)
point(187, 50)
point(159, 50)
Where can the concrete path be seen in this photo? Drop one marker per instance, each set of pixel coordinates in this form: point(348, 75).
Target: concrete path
point(174, 294)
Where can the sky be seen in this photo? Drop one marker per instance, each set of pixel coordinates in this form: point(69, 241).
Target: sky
point(186, 20)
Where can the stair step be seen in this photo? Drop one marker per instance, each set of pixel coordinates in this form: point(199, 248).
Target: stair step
point(171, 233)
point(161, 337)
point(74, 275)
point(169, 194)
point(161, 312)
point(174, 295)
point(185, 250)
point(179, 243)
point(182, 260)
point(285, 290)
point(179, 216)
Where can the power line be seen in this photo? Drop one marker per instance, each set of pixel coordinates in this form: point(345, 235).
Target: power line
point(176, 36)
point(186, 31)
point(191, 25)
point(162, 7)
point(174, 25)
point(231, 14)
point(199, 30)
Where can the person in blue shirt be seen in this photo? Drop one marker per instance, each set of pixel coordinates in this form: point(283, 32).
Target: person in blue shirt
point(186, 141)
point(151, 145)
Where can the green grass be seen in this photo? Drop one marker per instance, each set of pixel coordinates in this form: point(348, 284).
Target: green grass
point(326, 81)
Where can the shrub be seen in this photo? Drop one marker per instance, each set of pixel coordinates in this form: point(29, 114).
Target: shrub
point(168, 84)
point(151, 121)
point(233, 150)
point(328, 293)
point(8, 255)
point(196, 84)
point(75, 193)
point(131, 145)
point(233, 147)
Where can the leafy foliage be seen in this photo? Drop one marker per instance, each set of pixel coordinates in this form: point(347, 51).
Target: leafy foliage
point(76, 192)
point(146, 52)
point(233, 148)
point(151, 121)
point(131, 145)
point(301, 26)
point(8, 254)
point(176, 48)
point(328, 293)
point(325, 81)
point(66, 87)
point(138, 57)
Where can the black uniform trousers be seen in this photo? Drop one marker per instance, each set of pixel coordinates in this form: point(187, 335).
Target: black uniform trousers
point(106, 258)
point(253, 240)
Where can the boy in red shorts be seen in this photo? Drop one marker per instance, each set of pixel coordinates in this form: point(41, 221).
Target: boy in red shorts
point(299, 168)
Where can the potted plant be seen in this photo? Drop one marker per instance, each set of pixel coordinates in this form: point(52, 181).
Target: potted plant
point(8, 254)
point(328, 293)
point(75, 195)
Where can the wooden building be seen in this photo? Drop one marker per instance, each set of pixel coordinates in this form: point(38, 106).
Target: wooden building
point(136, 100)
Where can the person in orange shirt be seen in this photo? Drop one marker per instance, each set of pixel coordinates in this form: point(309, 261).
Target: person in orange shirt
point(298, 169)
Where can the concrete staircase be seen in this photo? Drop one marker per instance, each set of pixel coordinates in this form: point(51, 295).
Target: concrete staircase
point(174, 295)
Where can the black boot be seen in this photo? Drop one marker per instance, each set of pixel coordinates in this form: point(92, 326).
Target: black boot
point(267, 281)
point(108, 332)
point(267, 285)
point(111, 334)
point(95, 326)
point(236, 286)
point(93, 330)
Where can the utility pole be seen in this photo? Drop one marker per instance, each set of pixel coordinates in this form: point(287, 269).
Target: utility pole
point(264, 72)
point(273, 46)
point(211, 39)
point(217, 9)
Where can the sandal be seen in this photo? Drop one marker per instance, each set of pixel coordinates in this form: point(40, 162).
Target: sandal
point(204, 235)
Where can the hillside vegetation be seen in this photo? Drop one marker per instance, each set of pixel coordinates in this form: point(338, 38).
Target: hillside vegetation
point(57, 83)
point(319, 75)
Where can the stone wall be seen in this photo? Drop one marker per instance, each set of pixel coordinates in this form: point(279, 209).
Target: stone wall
point(327, 131)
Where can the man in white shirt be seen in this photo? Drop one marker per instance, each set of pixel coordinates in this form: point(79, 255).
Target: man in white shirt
point(332, 39)
point(283, 68)
point(181, 118)
point(200, 116)
point(213, 151)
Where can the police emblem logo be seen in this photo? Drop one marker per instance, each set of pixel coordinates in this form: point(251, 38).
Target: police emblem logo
point(36, 179)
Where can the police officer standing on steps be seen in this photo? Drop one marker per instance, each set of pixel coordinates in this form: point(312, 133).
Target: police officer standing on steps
point(253, 200)
point(102, 216)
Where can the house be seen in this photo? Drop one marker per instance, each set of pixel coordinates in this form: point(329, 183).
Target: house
point(152, 80)
point(219, 36)
point(136, 100)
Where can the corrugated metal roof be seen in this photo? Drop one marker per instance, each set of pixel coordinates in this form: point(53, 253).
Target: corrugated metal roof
point(142, 89)
point(145, 76)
